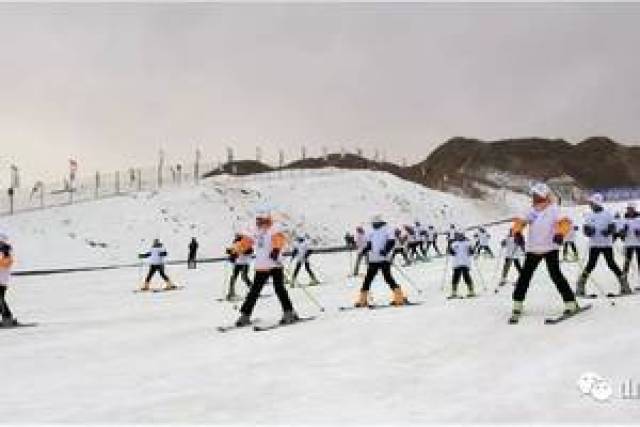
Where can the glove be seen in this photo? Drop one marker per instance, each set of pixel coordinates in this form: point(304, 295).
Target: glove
point(518, 238)
point(558, 239)
point(589, 230)
point(383, 253)
point(248, 251)
point(5, 249)
point(275, 253)
point(229, 251)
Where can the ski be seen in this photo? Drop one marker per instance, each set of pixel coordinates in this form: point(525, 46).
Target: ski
point(558, 319)
point(353, 307)
point(227, 328)
point(514, 319)
point(18, 325)
point(612, 295)
point(258, 328)
point(406, 304)
point(589, 296)
point(157, 290)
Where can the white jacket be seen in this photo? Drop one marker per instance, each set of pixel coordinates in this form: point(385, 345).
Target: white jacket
point(378, 239)
point(157, 255)
point(432, 234)
point(5, 274)
point(600, 221)
point(541, 229)
point(633, 225)
point(511, 250)
point(461, 256)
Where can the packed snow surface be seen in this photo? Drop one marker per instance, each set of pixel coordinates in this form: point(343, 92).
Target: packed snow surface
point(102, 353)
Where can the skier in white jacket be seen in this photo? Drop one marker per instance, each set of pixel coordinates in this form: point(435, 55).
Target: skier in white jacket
point(156, 258)
point(6, 262)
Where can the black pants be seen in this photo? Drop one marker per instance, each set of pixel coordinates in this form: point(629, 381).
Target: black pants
point(152, 271)
point(435, 246)
point(565, 249)
point(628, 256)
point(402, 252)
point(413, 249)
point(372, 271)
point(307, 267)
point(241, 270)
point(191, 261)
point(259, 280)
point(531, 261)
point(594, 254)
point(6, 312)
point(507, 266)
point(458, 273)
point(359, 257)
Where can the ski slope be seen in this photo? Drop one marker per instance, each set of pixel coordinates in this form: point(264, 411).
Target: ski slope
point(103, 354)
point(324, 203)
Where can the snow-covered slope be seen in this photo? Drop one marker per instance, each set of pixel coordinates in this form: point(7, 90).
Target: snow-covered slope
point(323, 203)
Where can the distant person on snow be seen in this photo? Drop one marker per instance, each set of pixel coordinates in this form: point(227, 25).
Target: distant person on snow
point(631, 237)
point(570, 243)
point(156, 257)
point(267, 242)
point(420, 234)
point(241, 260)
point(193, 254)
point(300, 255)
point(361, 243)
point(413, 242)
point(483, 242)
point(547, 229)
point(512, 250)
point(6, 262)
point(432, 240)
point(380, 243)
point(400, 247)
point(450, 235)
point(461, 251)
point(619, 223)
point(599, 227)
point(349, 241)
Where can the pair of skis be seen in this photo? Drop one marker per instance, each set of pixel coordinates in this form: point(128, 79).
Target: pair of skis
point(515, 318)
point(379, 306)
point(261, 328)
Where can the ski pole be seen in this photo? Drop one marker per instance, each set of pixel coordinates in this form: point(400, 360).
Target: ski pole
point(480, 276)
point(407, 278)
point(311, 297)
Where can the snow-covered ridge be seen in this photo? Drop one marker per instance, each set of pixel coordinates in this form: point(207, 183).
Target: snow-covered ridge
point(324, 203)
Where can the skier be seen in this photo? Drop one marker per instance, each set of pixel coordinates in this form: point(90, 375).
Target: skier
point(412, 242)
point(193, 250)
point(483, 242)
point(349, 241)
point(432, 240)
point(400, 247)
point(267, 242)
point(461, 251)
point(240, 261)
point(570, 243)
point(380, 243)
point(631, 237)
point(361, 242)
point(156, 256)
point(6, 262)
point(450, 234)
point(600, 227)
point(619, 223)
point(420, 234)
point(512, 251)
point(545, 235)
point(300, 255)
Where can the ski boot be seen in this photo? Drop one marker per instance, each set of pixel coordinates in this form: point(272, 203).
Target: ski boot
point(145, 287)
point(231, 297)
point(470, 292)
point(314, 282)
point(570, 307)
point(169, 286)
point(9, 321)
point(502, 282)
point(624, 285)
point(243, 320)
point(398, 297)
point(582, 280)
point(363, 300)
point(289, 317)
point(516, 312)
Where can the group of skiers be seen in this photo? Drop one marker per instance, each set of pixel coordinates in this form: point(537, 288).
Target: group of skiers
point(547, 233)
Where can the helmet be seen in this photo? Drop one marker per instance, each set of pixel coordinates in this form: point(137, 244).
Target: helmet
point(377, 218)
point(541, 190)
point(596, 199)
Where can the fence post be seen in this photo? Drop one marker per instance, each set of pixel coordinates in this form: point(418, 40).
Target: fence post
point(10, 192)
point(97, 185)
point(139, 179)
point(117, 183)
point(42, 196)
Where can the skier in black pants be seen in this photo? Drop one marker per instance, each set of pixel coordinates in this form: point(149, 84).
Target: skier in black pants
point(570, 243)
point(600, 228)
point(432, 240)
point(400, 247)
point(300, 254)
point(631, 236)
point(6, 261)
point(193, 250)
point(546, 233)
point(240, 261)
point(156, 256)
point(268, 244)
point(380, 243)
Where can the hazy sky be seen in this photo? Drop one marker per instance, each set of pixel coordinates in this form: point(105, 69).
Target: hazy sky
point(111, 84)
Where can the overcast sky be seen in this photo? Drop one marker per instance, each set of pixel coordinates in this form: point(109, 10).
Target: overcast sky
point(111, 84)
